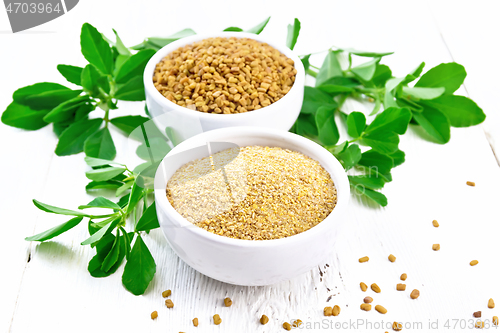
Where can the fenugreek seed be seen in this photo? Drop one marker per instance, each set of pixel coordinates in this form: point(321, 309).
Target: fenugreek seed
point(375, 288)
point(166, 293)
point(297, 323)
point(471, 183)
point(264, 319)
point(380, 309)
point(228, 302)
point(365, 307)
point(491, 303)
point(477, 314)
point(195, 322)
point(436, 247)
point(392, 258)
point(217, 319)
point(415, 294)
point(495, 320)
point(328, 311)
point(336, 310)
point(363, 286)
point(368, 299)
point(401, 287)
point(435, 223)
point(287, 326)
point(154, 315)
point(397, 326)
point(169, 303)
point(403, 277)
point(479, 324)
point(364, 259)
point(474, 262)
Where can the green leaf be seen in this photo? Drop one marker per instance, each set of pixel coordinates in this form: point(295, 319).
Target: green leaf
point(124, 187)
point(157, 43)
point(57, 210)
point(338, 85)
point(461, 111)
point(100, 202)
point(93, 162)
point(330, 68)
point(450, 76)
point(73, 138)
point(135, 195)
point(56, 231)
point(381, 75)
point(44, 95)
point(103, 174)
point(134, 66)
point(140, 268)
point(314, 98)
point(100, 145)
point(124, 200)
point(148, 220)
point(366, 181)
point(375, 196)
point(305, 61)
point(109, 184)
point(351, 156)
point(367, 53)
point(111, 224)
point(67, 110)
point(414, 74)
point(293, 34)
point(356, 123)
point(233, 29)
point(92, 80)
point(390, 85)
point(95, 49)
point(133, 90)
point(21, 116)
point(103, 249)
point(434, 123)
point(327, 128)
point(424, 93)
point(128, 123)
point(398, 157)
point(376, 161)
point(153, 149)
point(120, 47)
point(113, 254)
point(367, 70)
point(71, 73)
point(391, 119)
point(384, 142)
point(259, 27)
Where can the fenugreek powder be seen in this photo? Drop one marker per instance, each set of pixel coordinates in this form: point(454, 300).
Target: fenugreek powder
point(225, 75)
point(254, 192)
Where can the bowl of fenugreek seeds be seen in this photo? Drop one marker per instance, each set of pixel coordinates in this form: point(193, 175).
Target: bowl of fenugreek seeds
point(205, 82)
point(251, 205)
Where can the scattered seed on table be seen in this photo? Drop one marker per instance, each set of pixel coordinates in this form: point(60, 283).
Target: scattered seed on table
point(195, 322)
point(397, 326)
point(403, 277)
point(228, 302)
point(415, 294)
point(480, 324)
point(392, 258)
point(368, 299)
point(154, 315)
point(364, 259)
point(495, 320)
point(471, 183)
point(474, 262)
point(401, 287)
point(380, 309)
point(169, 303)
point(435, 223)
point(217, 319)
point(328, 311)
point(436, 247)
point(491, 303)
point(365, 307)
point(477, 314)
point(363, 286)
point(264, 319)
point(166, 293)
point(375, 287)
point(297, 323)
point(336, 310)
point(287, 326)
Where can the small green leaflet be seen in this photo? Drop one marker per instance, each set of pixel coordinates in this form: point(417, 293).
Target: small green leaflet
point(73, 138)
point(424, 93)
point(376, 162)
point(450, 76)
point(381, 75)
point(56, 231)
point(120, 47)
point(435, 123)
point(100, 202)
point(93, 162)
point(330, 68)
point(366, 181)
point(157, 43)
point(95, 49)
point(148, 220)
point(384, 142)
point(315, 98)
point(93, 81)
point(259, 27)
point(133, 90)
point(236, 29)
point(134, 66)
point(140, 268)
point(392, 119)
point(293, 34)
point(111, 224)
point(351, 156)
point(461, 111)
point(104, 173)
point(67, 110)
point(113, 254)
point(100, 145)
point(44, 95)
point(21, 116)
point(327, 128)
point(375, 196)
point(128, 123)
point(71, 73)
point(135, 195)
point(356, 123)
point(367, 54)
point(57, 210)
point(367, 70)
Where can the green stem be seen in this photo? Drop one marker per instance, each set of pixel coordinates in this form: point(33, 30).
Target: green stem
point(311, 72)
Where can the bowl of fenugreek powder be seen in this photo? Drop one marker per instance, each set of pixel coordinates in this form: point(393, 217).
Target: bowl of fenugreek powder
point(251, 205)
point(205, 82)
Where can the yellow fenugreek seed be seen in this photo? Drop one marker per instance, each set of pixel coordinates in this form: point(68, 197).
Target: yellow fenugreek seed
point(166, 293)
point(471, 183)
point(436, 247)
point(217, 319)
point(474, 262)
point(415, 294)
point(491, 303)
point(336, 310)
point(368, 299)
point(403, 276)
point(297, 323)
point(392, 258)
point(380, 309)
point(401, 286)
point(479, 324)
point(435, 223)
point(327, 311)
point(477, 314)
point(365, 307)
point(364, 259)
point(228, 302)
point(264, 319)
point(154, 315)
point(397, 326)
point(363, 286)
point(495, 320)
point(375, 287)
point(287, 326)
point(195, 322)
point(169, 303)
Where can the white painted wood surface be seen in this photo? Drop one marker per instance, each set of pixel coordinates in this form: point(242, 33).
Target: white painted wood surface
point(53, 291)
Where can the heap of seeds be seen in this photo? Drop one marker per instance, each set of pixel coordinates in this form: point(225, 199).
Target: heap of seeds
point(254, 192)
point(225, 75)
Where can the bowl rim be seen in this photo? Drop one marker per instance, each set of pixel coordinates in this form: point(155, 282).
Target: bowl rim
point(153, 93)
point(338, 173)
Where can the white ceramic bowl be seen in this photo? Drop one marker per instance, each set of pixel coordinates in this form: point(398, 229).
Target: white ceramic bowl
point(247, 262)
point(186, 123)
